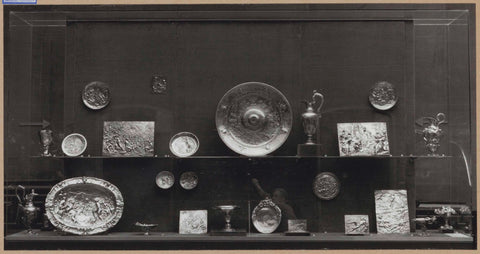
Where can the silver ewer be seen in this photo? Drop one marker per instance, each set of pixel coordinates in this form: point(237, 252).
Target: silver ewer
point(432, 132)
point(311, 116)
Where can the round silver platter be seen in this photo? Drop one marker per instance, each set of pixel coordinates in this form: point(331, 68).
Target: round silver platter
point(96, 95)
point(184, 144)
point(188, 180)
point(74, 144)
point(165, 180)
point(266, 216)
point(382, 96)
point(253, 119)
point(84, 205)
point(326, 186)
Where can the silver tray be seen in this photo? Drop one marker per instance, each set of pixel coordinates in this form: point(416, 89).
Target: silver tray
point(84, 205)
point(253, 119)
point(74, 144)
point(266, 216)
point(96, 95)
point(326, 186)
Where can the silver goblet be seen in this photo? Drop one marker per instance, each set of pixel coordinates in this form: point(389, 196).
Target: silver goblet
point(227, 209)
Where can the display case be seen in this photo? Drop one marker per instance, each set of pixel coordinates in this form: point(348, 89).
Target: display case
point(387, 131)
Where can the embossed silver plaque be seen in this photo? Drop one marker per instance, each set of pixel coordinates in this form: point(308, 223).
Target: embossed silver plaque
point(96, 95)
point(326, 186)
point(74, 144)
point(356, 224)
point(193, 222)
point(253, 119)
point(297, 225)
point(391, 208)
point(128, 138)
point(188, 180)
point(84, 205)
point(382, 96)
point(363, 139)
point(266, 216)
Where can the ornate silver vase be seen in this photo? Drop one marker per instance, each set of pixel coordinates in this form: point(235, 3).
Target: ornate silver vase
point(432, 132)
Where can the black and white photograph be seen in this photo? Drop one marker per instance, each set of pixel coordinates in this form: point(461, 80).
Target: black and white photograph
point(239, 126)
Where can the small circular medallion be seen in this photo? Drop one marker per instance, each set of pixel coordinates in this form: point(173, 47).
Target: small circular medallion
point(165, 180)
point(383, 96)
point(96, 95)
point(188, 180)
point(326, 186)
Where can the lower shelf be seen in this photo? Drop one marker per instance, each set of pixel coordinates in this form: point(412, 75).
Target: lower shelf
point(158, 240)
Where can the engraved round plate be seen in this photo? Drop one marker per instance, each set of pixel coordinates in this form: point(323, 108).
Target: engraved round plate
point(253, 119)
point(184, 144)
point(326, 186)
point(74, 144)
point(96, 95)
point(84, 205)
point(188, 180)
point(165, 180)
point(382, 96)
point(266, 216)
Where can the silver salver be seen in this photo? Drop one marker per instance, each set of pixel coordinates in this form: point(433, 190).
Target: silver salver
point(184, 144)
point(74, 144)
point(84, 205)
point(253, 119)
point(96, 95)
point(326, 186)
point(266, 216)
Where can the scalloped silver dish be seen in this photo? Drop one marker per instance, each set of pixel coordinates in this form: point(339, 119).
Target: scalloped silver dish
point(74, 144)
point(266, 216)
point(84, 205)
point(253, 119)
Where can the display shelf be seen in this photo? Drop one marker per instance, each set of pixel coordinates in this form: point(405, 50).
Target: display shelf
point(250, 158)
point(168, 240)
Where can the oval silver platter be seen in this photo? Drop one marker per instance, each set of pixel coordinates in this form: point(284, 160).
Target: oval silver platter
point(253, 119)
point(84, 205)
point(96, 95)
point(326, 186)
point(266, 216)
point(74, 144)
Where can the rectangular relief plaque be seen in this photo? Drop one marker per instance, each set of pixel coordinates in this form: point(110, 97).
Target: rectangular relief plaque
point(391, 208)
point(363, 139)
point(128, 138)
point(356, 225)
point(193, 222)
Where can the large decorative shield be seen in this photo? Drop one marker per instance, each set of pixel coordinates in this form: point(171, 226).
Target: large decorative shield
point(253, 119)
point(84, 205)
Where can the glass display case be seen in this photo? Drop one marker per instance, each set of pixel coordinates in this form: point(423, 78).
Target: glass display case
point(182, 126)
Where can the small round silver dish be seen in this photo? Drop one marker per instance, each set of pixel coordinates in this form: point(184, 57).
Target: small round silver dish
point(188, 180)
point(184, 144)
point(326, 186)
point(74, 144)
point(96, 95)
point(383, 96)
point(165, 180)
